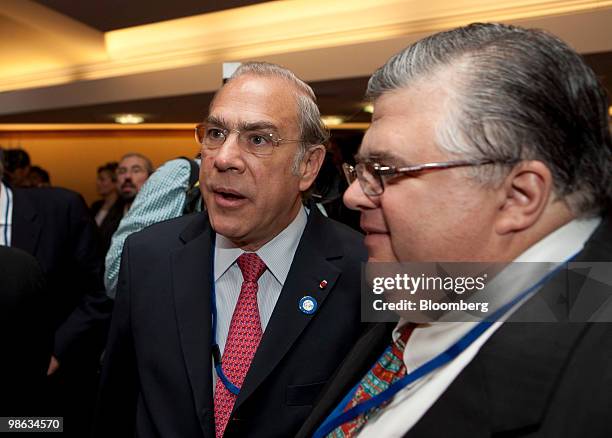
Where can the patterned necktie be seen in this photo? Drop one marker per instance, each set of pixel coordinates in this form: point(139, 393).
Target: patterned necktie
point(387, 370)
point(242, 340)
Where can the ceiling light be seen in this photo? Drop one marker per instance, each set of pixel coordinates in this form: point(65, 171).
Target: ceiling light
point(332, 120)
point(610, 111)
point(369, 108)
point(129, 119)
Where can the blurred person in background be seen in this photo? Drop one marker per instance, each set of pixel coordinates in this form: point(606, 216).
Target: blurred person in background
point(106, 186)
point(25, 326)
point(171, 191)
point(108, 211)
point(17, 167)
point(328, 189)
point(54, 226)
point(39, 177)
point(25, 334)
point(131, 173)
point(133, 170)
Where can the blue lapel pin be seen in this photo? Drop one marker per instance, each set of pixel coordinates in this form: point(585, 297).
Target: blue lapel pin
point(308, 305)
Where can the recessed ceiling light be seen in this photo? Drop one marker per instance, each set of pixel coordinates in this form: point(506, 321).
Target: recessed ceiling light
point(369, 108)
point(332, 120)
point(129, 119)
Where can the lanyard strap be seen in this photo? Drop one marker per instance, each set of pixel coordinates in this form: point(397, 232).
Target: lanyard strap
point(216, 351)
point(337, 417)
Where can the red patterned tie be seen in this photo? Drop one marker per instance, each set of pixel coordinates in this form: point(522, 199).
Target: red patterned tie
point(387, 370)
point(242, 340)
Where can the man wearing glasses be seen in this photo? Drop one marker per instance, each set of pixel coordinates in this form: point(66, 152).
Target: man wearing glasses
point(230, 322)
point(488, 143)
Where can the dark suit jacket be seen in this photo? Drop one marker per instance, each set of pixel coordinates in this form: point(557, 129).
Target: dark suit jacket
point(157, 375)
point(547, 379)
point(54, 226)
point(25, 333)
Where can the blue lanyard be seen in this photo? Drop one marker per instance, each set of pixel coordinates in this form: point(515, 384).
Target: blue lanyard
point(216, 351)
point(337, 417)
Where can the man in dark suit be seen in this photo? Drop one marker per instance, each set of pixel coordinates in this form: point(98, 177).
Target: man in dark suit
point(278, 277)
point(489, 143)
point(54, 226)
point(25, 333)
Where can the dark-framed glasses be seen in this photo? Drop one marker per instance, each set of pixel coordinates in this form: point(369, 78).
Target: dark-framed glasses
point(372, 176)
point(258, 142)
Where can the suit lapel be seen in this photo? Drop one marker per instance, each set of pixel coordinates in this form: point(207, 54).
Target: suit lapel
point(310, 265)
point(362, 357)
point(26, 223)
point(599, 246)
point(191, 286)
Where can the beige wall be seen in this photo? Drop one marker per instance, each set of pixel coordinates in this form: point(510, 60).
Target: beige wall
point(72, 157)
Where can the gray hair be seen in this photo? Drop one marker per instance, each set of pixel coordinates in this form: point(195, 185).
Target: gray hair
point(515, 94)
point(312, 130)
point(148, 164)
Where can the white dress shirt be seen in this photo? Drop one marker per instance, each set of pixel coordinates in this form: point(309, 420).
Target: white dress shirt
point(277, 254)
point(428, 340)
point(6, 214)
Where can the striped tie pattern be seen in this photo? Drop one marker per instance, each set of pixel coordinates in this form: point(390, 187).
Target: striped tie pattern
point(242, 340)
point(388, 369)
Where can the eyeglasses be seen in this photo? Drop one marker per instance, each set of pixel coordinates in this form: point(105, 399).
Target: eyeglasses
point(372, 176)
point(257, 142)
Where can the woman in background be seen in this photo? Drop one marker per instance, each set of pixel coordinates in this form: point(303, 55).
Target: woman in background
point(106, 186)
point(107, 211)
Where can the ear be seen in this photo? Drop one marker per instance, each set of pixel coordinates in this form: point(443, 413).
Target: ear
point(309, 168)
point(524, 195)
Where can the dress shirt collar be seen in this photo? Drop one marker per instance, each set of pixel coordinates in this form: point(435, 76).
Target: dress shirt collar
point(6, 214)
point(562, 243)
point(277, 254)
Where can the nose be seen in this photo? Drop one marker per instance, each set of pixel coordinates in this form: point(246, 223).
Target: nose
point(229, 155)
point(355, 199)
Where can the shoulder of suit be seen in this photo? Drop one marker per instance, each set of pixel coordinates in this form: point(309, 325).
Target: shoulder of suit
point(51, 200)
point(341, 230)
point(49, 194)
point(342, 236)
point(165, 232)
point(344, 231)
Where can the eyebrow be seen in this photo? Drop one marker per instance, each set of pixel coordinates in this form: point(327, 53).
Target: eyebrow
point(215, 121)
point(381, 157)
point(243, 126)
